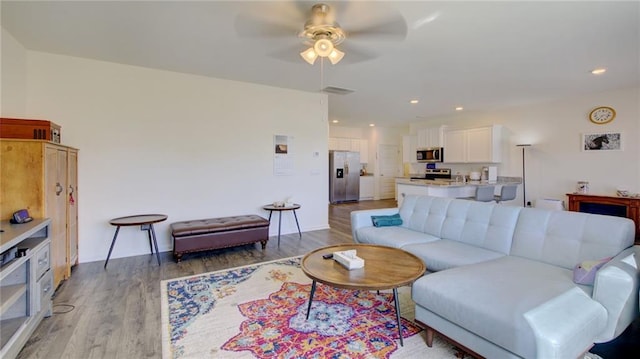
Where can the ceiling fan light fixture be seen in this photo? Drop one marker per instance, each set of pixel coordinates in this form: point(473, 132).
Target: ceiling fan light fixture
point(335, 56)
point(323, 47)
point(309, 55)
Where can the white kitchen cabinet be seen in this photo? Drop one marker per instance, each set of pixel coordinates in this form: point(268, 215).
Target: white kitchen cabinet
point(354, 145)
point(350, 144)
point(366, 188)
point(333, 144)
point(455, 145)
point(473, 145)
point(409, 147)
point(344, 144)
point(484, 144)
point(430, 137)
point(364, 151)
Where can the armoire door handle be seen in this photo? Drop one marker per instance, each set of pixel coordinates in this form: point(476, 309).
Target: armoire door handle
point(59, 189)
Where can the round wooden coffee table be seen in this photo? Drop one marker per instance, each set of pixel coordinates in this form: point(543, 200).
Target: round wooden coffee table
point(384, 268)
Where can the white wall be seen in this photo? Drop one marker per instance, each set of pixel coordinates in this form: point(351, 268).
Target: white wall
point(13, 77)
point(188, 146)
point(555, 162)
point(346, 132)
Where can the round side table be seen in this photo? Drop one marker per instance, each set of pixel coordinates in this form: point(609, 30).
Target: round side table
point(145, 221)
point(271, 208)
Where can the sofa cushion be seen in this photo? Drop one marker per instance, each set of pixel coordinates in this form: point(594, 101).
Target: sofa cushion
point(566, 238)
point(445, 254)
point(483, 225)
point(494, 309)
point(424, 214)
point(480, 224)
point(392, 236)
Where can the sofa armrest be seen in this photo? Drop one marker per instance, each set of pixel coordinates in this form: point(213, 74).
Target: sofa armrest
point(362, 218)
point(616, 287)
point(565, 326)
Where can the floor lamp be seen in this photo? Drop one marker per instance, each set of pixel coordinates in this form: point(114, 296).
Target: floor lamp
point(524, 188)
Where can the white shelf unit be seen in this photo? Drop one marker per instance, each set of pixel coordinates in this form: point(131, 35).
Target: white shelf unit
point(26, 283)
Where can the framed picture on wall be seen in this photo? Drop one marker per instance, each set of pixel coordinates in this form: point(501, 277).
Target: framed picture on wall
point(606, 141)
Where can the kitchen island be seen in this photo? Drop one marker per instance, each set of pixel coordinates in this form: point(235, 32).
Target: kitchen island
point(442, 188)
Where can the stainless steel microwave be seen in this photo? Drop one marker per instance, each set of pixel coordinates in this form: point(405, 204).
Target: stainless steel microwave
point(430, 154)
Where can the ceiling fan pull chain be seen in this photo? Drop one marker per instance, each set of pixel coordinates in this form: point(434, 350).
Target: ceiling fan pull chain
point(321, 73)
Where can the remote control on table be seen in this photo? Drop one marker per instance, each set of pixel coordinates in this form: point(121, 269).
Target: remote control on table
point(328, 256)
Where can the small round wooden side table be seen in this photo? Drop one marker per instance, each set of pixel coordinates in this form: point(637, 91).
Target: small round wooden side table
point(271, 208)
point(145, 221)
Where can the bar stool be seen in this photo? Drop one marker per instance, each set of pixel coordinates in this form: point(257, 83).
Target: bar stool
point(484, 193)
point(507, 193)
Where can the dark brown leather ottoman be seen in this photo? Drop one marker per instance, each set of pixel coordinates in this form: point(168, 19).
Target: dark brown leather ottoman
point(213, 233)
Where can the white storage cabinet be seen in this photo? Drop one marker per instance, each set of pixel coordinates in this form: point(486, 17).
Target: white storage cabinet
point(26, 283)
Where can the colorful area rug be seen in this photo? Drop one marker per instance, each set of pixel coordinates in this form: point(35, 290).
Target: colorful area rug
point(259, 311)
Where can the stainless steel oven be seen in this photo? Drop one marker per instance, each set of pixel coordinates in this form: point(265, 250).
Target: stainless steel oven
point(430, 154)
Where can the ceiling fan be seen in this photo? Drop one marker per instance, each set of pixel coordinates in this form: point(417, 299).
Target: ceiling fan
point(319, 31)
point(323, 34)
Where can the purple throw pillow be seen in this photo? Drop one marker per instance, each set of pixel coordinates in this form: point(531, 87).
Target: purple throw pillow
point(585, 272)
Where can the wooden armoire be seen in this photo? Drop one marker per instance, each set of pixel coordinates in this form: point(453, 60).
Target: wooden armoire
point(42, 177)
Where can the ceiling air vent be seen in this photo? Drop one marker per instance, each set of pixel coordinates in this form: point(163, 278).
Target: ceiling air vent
point(337, 90)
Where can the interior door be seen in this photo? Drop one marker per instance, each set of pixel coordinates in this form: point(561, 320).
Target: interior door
point(388, 169)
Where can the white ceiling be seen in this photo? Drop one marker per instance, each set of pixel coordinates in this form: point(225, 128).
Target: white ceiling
point(476, 54)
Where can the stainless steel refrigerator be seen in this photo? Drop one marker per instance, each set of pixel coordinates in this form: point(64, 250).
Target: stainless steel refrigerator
point(344, 176)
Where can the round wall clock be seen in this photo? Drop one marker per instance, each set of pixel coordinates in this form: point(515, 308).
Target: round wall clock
point(602, 115)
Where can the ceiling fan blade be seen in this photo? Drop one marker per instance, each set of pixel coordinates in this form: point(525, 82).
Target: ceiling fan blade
point(271, 19)
point(372, 20)
point(288, 54)
point(258, 27)
point(387, 29)
point(354, 54)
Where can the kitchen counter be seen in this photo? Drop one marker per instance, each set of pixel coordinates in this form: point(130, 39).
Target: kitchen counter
point(451, 182)
point(444, 187)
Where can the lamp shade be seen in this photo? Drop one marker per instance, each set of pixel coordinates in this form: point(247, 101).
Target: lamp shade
point(323, 47)
point(309, 55)
point(335, 56)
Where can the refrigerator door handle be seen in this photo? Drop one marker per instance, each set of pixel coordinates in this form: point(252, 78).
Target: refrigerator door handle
point(346, 168)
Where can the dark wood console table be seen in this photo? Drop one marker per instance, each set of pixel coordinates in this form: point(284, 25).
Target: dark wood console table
point(623, 206)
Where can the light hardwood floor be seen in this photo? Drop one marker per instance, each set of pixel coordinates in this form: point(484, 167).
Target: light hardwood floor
point(115, 313)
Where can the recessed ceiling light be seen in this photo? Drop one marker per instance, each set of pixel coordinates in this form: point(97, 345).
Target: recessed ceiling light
point(414, 102)
point(372, 124)
point(599, 71)
point(459, 108)
point(335, 121)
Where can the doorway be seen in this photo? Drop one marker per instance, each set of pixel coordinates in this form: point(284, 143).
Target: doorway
point(388, 165)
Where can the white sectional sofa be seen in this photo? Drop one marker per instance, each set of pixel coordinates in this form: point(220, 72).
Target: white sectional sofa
point(500, 281)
